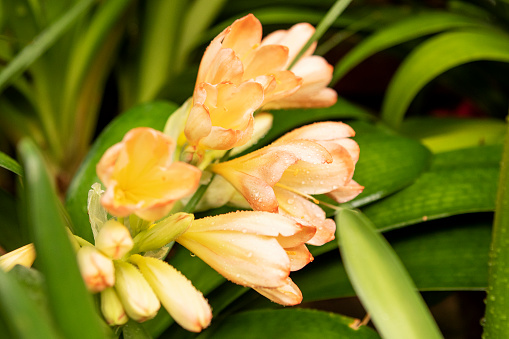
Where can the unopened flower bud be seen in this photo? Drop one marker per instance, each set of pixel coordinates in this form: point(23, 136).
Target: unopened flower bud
point(112, 308)
point(114, 239)
point(164, 232)
point(24, 256)
point(138, 299)
point(96, 212)
point(96, 269)
point(182, 300)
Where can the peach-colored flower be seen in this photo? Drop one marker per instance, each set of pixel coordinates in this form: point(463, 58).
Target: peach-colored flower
point(238, 54)
point(314, 159)
point(141, 178)
point(222, 115)
point(256, 249)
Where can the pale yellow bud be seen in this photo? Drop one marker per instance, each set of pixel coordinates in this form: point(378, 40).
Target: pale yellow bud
point(164, 232)
point(112, 308)
point(114, 239)
point(182, 300)
point(138, 299)
point(96, 269)
point(24, 256)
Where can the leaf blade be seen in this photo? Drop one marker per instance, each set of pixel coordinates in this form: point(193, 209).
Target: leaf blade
point(397, 310)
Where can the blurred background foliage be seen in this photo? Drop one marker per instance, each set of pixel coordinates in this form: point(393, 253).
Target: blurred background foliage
point(423, 83)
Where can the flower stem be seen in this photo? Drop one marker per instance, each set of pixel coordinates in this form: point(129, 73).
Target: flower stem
point(322, 27)
point(497, 304)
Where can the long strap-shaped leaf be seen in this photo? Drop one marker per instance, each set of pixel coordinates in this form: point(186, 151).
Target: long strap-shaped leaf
point(47, 38)
point(381, 282)
point(436, 56)
point(497, 305)
point(70, 302)
point(402, 31)
point(24, 319)
point(10, 164)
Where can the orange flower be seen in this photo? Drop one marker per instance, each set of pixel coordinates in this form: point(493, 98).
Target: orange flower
point(255, 249)
point(238, 54)
point(141, 178)
point(222, 115)
point(314, 159)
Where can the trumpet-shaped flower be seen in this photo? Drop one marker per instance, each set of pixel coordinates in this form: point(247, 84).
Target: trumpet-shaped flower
point(184, 303)
point(96, 269)
point(222, 115)
point(238, 54)
point(141, 178)
point(255, 249)
point(314, 159)
point(24, 256)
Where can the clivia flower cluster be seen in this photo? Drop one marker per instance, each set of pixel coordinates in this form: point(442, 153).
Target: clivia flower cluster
point(150, 175)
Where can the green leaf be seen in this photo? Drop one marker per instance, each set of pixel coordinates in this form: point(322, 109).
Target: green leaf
point(447, 134)
point(70, 303)
point(287, 323)
point(497, 301)
point(10, 164)
point(42, 42)
point(461, 181)
point(436, 56)
point(86, 51)
point(152, 114)
point(22, 315)
point(411, 27)
point(157, 54)
point(444, 255)
point(397, 310)
point(387, 162)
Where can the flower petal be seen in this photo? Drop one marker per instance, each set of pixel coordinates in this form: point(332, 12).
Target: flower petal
point(286, 295)
point(295, 38)
point(245, 259)
point(244, 35)
point(24, 256)
point(299, 257)
point(326, 131)
point(254, 173)
point(265, 60)
point(347, 192)
point(308, 213)
point(245, 246)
